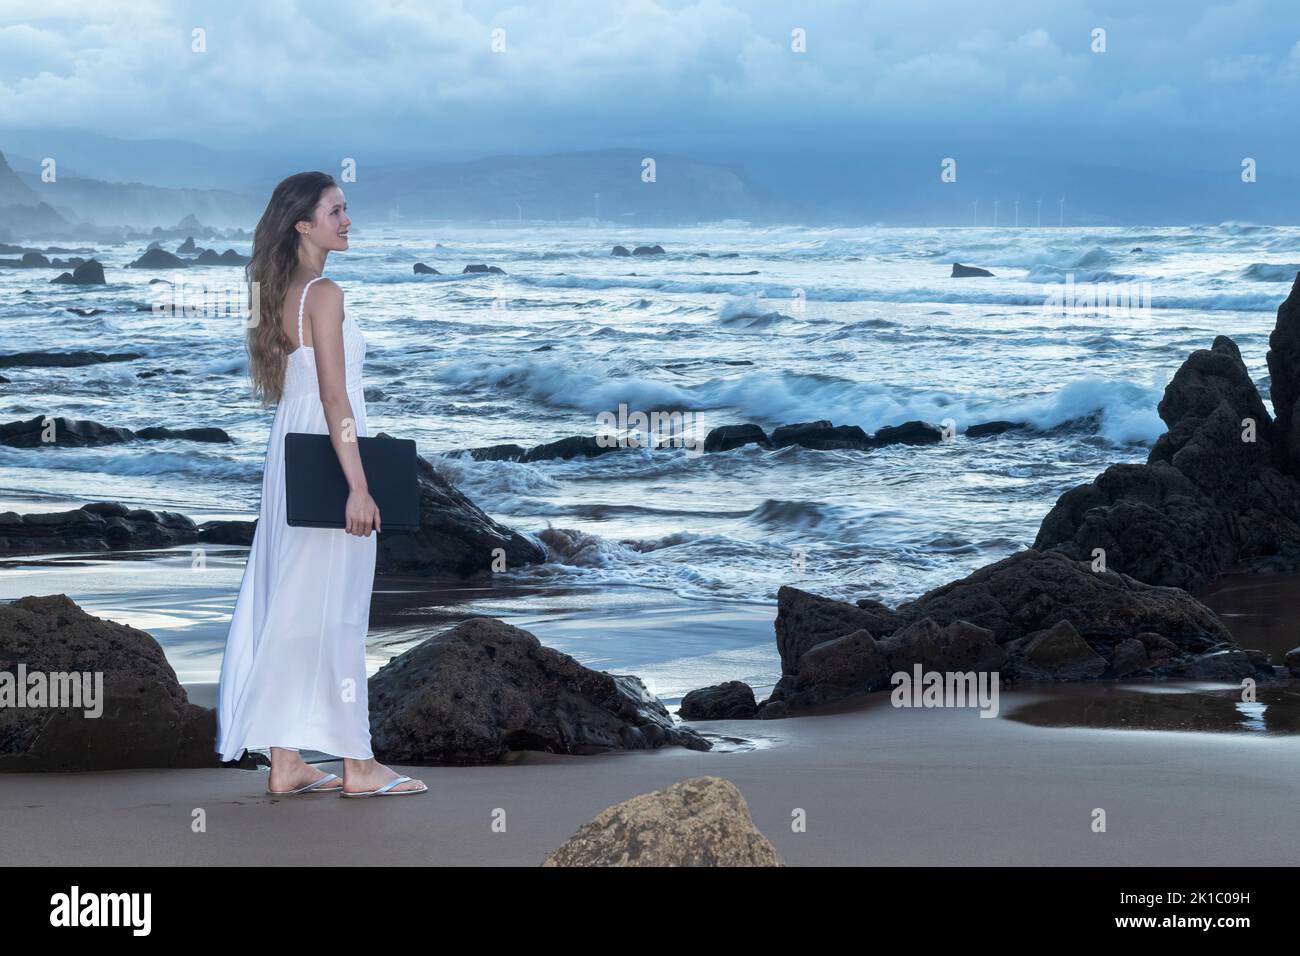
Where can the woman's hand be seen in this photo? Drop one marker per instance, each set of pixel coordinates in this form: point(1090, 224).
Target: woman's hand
point(361, 514)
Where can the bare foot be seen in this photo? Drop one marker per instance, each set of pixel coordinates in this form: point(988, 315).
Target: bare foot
point(364, 776)
point(290, 772)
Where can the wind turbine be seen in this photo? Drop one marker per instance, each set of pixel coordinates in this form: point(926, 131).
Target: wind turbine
point(1062, 212)
point(995, 212)
point(975, 221)
point(1039, 220)
point(1017, 212)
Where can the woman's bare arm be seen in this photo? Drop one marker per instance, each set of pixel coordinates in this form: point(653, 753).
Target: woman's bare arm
point(324, 310)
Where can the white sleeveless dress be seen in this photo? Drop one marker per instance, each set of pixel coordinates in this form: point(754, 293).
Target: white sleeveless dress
point(294, 670)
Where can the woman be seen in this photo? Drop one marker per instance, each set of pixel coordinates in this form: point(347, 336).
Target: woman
point(294, 671)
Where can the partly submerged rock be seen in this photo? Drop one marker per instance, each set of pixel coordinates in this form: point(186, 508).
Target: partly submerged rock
point(960, 271)
point(703, 821)
point(471, 694)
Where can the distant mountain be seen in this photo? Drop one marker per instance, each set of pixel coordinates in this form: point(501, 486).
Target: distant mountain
point(139, 206)
point(606, 185)
point(13, 192)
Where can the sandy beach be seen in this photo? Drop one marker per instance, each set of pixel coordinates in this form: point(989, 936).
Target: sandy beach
point(880, 787)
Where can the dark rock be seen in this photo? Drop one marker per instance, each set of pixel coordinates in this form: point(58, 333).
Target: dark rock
point(157, 432)
point(187, 247)
point(703, 821)
point(159, 258)
point(484, 688)
point(1130, 655)
point(772, 710)
point(1284, 378)
point(87, 273)
point(993, 428)
point(422, 270)
point(86, 313)
point(455, 536)
point(908, 433)
point(576, 446)
point(81, 433)
point(1207, 500)
point(960, 271)
point(960, 646)
point(833, 670)
point(1293, 661)
point(63, 359)
point(804, 620)
point(1058, 653)
point(1033, 591)
point(821, 435)
point(620, 251)
point(482, 268)
point(733, 700)
point(727, 437)
point(228, 532)
point(146, 719)
point(34, 260)
point(496, 453)
point(655, 250)
point(102, 526)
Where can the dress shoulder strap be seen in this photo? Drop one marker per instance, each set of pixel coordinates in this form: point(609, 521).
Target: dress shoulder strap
point(301, 303)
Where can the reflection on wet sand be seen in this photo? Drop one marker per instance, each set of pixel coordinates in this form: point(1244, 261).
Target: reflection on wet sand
point(1188, 707)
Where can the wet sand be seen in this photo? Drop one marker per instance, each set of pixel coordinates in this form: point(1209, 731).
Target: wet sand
point(1187, 774)
point(879, 785)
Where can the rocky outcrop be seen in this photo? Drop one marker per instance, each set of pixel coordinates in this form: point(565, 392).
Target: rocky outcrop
point(82, 433)
point(960, 271)
point(145, 718)
point(654, 250)
point(424, 270)
point(1033, 616)
point(484, 688)
point(73, 359)
point(158, 258)
point(479, 267)
point(1215, 493)
point(703, 821)
point(821, 435)
point(733, 700)
point(727, 437)
point(455, 537)
point(102, 526)
point(90, 272)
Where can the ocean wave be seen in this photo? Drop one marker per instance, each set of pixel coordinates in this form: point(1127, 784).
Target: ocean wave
point(130, 461)
point(1270, 272)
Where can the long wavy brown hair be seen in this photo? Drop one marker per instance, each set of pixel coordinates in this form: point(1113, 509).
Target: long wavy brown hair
point(275, 256)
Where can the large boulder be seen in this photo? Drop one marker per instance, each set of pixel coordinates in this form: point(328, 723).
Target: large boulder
point(731, 700)
point(1212, 496)
point(703, 821)
point(1033, 616)
point(455, 537)
point(483, 688)
point(144, 719)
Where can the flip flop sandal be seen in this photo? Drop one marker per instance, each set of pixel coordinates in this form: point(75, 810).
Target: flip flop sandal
point(386, 790)
point(316, 787)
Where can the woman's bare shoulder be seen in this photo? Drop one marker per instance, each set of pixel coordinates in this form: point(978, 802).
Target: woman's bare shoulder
point(327, 302)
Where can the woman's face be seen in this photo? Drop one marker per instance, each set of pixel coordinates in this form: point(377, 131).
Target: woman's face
point(328, 228)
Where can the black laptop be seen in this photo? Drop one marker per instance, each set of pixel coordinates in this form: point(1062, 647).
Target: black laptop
point(316, 490)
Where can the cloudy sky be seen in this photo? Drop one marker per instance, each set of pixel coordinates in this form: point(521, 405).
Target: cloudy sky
point(1181, 82)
